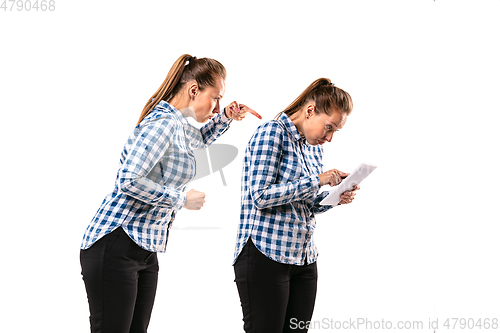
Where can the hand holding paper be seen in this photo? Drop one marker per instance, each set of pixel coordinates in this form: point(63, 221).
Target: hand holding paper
point(354, 178)
point(348, 196)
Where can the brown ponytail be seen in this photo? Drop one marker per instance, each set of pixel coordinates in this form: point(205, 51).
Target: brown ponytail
point(325, 96)
point(204, 71)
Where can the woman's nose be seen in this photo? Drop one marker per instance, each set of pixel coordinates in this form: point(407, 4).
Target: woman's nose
point(217, 108)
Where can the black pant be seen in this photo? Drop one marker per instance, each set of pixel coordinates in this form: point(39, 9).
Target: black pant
point(120, 278)
point(275, 297)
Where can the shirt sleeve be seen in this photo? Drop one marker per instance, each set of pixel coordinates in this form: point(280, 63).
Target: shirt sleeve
point(265, 153)
point(316, 207)
point(215, 128)
point(315, 199)
point(151, 144)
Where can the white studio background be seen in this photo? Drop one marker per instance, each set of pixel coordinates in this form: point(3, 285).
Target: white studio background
point(419, 242)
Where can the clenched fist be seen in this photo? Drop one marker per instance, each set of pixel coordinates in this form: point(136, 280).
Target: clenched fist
point(194, 200)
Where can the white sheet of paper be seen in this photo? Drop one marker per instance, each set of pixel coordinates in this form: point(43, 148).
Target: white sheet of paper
point(354, 178)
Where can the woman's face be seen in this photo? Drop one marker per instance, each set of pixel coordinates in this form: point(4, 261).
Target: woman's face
point(318, 128)
point(206, 102)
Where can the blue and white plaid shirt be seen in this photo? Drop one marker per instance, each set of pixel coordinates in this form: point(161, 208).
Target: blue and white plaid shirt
point(279, 197)
point(156, 164)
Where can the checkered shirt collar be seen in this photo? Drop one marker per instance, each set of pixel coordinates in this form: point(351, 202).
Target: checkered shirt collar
point(290, 127)
point(167, 107)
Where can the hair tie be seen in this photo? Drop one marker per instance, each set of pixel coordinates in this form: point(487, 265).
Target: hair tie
point(331, 84)
point(190, 60)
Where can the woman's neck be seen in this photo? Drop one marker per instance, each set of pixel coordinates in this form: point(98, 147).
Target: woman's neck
point(298, 120)
point(181, 103)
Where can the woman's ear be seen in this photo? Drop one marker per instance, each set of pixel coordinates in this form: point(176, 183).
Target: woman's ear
point(193, 90)
point(310, 108)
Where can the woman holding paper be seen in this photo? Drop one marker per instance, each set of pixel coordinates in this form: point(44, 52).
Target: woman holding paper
point(275, 257)
point(118, 251)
